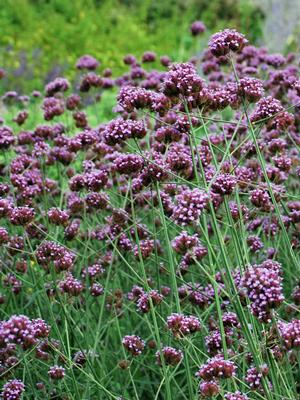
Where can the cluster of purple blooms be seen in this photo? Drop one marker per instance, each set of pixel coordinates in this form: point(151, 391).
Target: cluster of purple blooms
point(13, 390)
point(134, 218)
point(290, 333)
point(20, 330)
point(181, 325)
point(56, 372)
point(190, 204)
point(134, 344)
point(53, 253)
point(169, 356)
point(224, 42)
point(254, 376)
point(263, 285)
point(16, 334)
point(215, 369)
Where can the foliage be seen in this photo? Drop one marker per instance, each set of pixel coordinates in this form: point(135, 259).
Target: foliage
point(42, 39)
point(149, 232)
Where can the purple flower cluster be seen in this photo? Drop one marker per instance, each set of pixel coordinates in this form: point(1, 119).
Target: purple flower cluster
point(263, 285)
point(183, 80)
point(52, 107)
point(23, 331)
point(216, 368)
point(254, 377)
point(21, 215)
point(181, 325)
point(129, 163)
point(209, 388)
point(87, 62)
point(290, 333)
point(51, 252)
point(134, 344)
point(70, 285)
point(223, 42)
point(236, 396)
point(267, 107)
point(251, 88)
point(197, 27)
point(119, 130)
point(13, 390)
point(190, 204)
point(224, 184)
point(183, 242)
point(56, 372)
point(58, 217)
point(146, 299)
point(169, 355)
point(58, 85)
point(157, 216)
point(7, 138)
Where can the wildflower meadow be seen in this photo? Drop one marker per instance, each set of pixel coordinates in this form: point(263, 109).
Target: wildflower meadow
point(150, 228)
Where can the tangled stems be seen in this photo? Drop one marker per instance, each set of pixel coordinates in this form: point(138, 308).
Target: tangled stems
point(155, 244)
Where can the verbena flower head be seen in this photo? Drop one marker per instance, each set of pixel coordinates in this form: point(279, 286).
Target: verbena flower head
point(73, 101)
point(70, 285)
point(190, 204)
point(183, 242)
point(56, 372)
point(165, 61)
point(275, 60)
point(221, 43)
point(181, 325)
point(148, 56)
point(48, 252)
point(130, 98)
point(217, 368)
point(21, 330)
point(96, 289)
point(236, 396)
point(264, 289)
point(134, 344)
point(170, 356)
point(87, 62)
point(251, 88)
point(290, 334)
point(21, 117)
point(57, 216)
point(255, 243)
point(13, 390)
point(209, 388)
point(6, 137)
point(58, 85)
point(129, 59)
point(145, 248)
point(21, 215)
point(146, 299)
point(182, 79)
point(120, 130)
point(129, 163)
point(4, 236)
point(254, 377)
point(52, 107)
point(96, 180)
point(224, 184)
point(266, 108)
point(197, 27)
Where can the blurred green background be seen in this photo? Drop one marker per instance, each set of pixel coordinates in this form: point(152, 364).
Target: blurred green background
point(41, 39)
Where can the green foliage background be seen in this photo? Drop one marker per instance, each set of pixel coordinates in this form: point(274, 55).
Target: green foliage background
point(38, 35)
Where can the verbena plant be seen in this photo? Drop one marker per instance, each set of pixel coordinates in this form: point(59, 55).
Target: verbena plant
point(152, 251)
